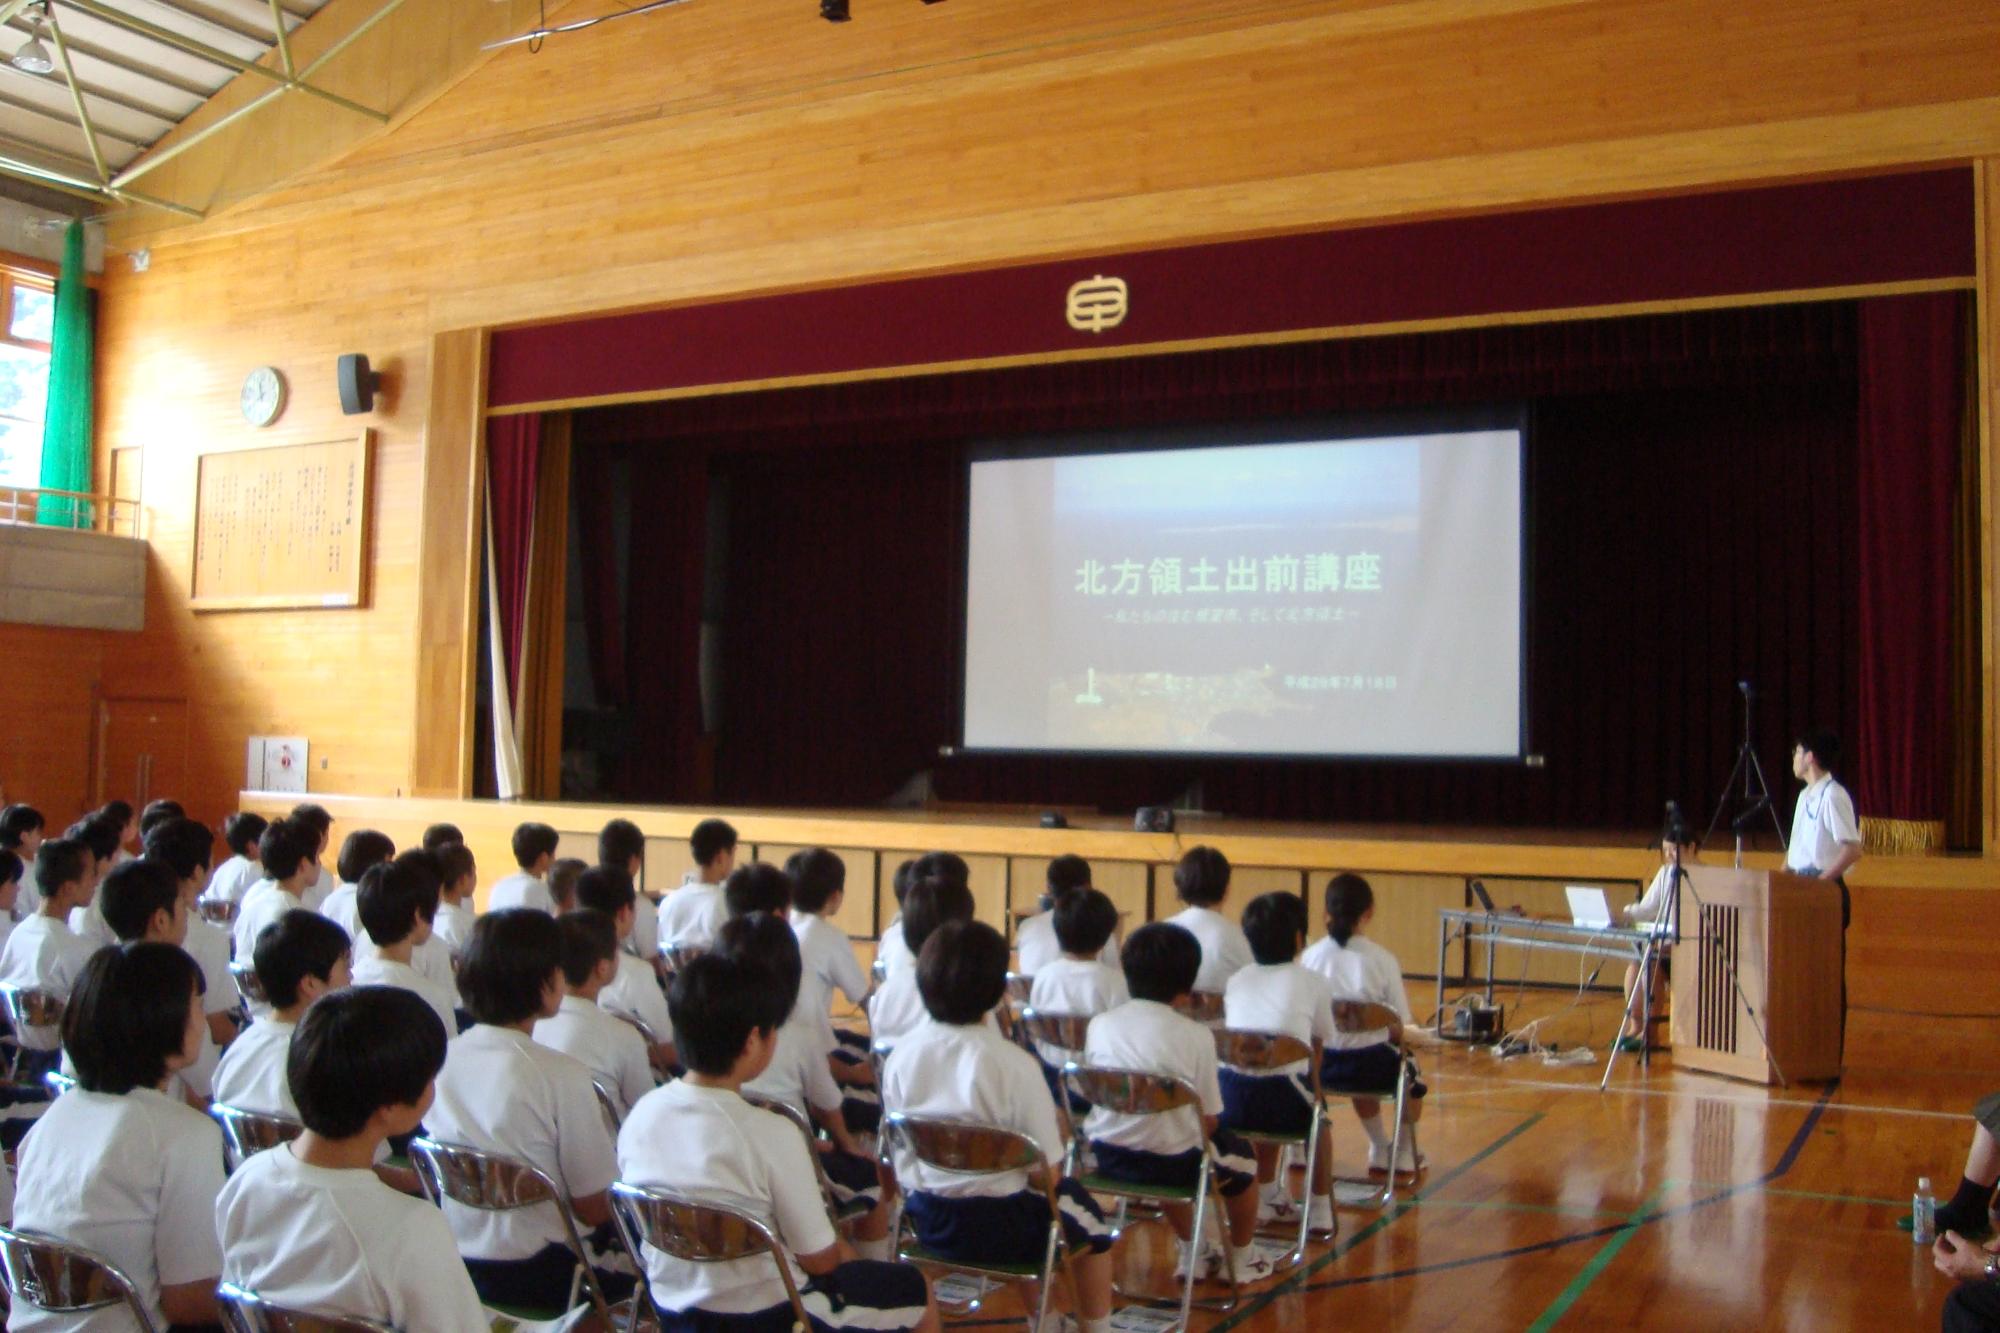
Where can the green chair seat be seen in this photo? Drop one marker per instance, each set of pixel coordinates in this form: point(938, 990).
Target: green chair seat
point(1097, 1184)
point(917, 1254)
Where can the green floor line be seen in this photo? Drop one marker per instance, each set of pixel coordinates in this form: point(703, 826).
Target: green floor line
point(1595, 1268)
point(1501, 1205)
point(1837, 1198)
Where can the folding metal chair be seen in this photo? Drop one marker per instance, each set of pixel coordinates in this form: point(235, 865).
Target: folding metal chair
point(696, 1233)
point(249, 990)
point(57, 1082)
point(247, 1312)
point(674, 957)
point(1353, 1017)
point(217, 912)
point(495, 1183)
point(1264, 1055)
point(980, 1150)
point(1134, 1092)
point(646, 1034)
point(247, 1133)
point(51, 1274)
point(1019, 988)
point(1064, 1033)
point(1203, 1006)
point(837, 1211)
point(31, 1010)
point(609, 1105)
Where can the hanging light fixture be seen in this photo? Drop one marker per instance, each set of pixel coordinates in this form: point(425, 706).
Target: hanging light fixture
point(32, 56)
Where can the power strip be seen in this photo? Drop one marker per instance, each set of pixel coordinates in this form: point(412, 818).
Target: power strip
point(1575, 1055)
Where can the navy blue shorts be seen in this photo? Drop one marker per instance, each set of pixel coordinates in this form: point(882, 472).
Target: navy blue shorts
point(860, 1110)
point(1235, 1165)
point(1268, 1104)
point(852, 1176)
point(1008, 1228)
point(541, 1281)
point(1370, 1071)
point(857, 1295)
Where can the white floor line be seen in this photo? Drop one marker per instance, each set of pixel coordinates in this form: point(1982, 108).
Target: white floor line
point(1543, 1085)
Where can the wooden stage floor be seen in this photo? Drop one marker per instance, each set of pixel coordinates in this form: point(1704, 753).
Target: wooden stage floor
point(1672, 1201)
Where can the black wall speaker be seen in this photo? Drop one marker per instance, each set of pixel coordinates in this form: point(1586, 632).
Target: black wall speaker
point(357, 384)
point(1152, 819)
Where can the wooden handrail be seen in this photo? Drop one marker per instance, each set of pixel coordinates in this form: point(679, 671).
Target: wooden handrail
point(87, 511)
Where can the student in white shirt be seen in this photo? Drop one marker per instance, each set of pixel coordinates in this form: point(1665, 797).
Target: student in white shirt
point(286, 853)
point(122, 822)
point(437, 837)
point(1035, 942)
point(186, 848)
point(1202, 881)
point(299, 959)
point(155, 814)
point(324, 878)
point(117, 1166)
point(621, 844)
point(432, 958)
point(233, 878)
point(1146, 1034)
point(898, 1007)
point(460, 873)
point(308, 1224)
point(21, 833)
point(819, 889)
point(635, 990)
point(534, 851)
point(12, 872)
point(1359, 969)
point(1275, 994)
point(43, 952)
point(392, 900)
point(1826, 835)
point(691, 914)
point(564, 872)
point(891, 950)
point(1656, 906)
point(142, 900)
point(501, 1091)
point(1075, 982)
point(607, 1045)
point(756, 1162)
point(359, 851)
point(955, 1066)
point(99, 832)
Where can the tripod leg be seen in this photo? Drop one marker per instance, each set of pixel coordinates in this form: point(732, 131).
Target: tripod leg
point(1764, 790)
point(1743, 753)
point(1638, 988)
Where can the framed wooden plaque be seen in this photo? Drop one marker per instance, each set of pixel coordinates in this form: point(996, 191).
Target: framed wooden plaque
point(283, 526)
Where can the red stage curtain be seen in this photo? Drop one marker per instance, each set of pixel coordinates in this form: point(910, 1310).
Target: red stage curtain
point(595, 489)
point(1912, 375)
point(513, 463)
point(668, 496)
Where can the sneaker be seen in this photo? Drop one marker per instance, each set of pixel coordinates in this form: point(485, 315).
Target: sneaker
point(1253, 1267)
point(1631, 1045)
point(1409, 1162)
point(1320, 1221)
point(1277, 1206)
point(1213, 1265)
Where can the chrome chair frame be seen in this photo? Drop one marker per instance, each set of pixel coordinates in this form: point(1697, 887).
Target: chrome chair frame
point(247, 1133)
point(1353, 1016)
point(1067, 1033)
point(695, 1232)
point(30, 1007)
point(217, 911)
point(52, 1274)
point(609, 1105)
point(1262, 1055)
point(244, 1311)
point(836, 1212)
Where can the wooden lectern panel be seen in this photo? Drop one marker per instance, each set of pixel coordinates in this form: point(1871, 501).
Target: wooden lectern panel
point(1776, 936)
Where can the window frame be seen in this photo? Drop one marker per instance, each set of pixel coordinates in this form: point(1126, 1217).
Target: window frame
point(14, 276)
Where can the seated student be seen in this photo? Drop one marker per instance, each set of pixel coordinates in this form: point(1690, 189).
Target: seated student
point(1276, 994)
point(890, 950)
point(819, 889)
point(12, 872)
point(440, 836)
point(392, 900)
point(455, 913)
point(308, 1224)
point(155, 814)
point(433, 957)
point(898, 1006)
point(564, 872)
point(359, 851)
point(100, 832)
point(957, 1067)
point(1076, 982)
point(797, 1074)
point(609, 1047)
point(1202, 881)
point(299, 958)
point(501, 1091)
point(325, 881)
point(1360, 969)
point(233, 878)
point(43, 952)
point(117, 1166)
point(123, 821)
point(286, 852)
point(757, 887)
point(635, 990)
point(21, 833)
point(691, 914)
point(534, 851)
point(186, 848)
point(756, 1163)
point(1147, 1034)
point(141, 901)
point(621, 844)
point(1035, 939)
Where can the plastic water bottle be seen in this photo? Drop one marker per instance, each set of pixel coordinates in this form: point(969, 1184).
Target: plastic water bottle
point(1923, 1214)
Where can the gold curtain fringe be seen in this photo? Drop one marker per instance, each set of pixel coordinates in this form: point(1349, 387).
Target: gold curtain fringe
point(1902, 837)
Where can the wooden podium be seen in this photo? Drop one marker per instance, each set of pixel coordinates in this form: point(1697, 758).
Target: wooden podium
point(1782, 933)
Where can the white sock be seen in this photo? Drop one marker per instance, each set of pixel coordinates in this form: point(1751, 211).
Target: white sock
point(1379, 1137)
point(1094, 1325)
point(879, 1250)
point(1243, 1256)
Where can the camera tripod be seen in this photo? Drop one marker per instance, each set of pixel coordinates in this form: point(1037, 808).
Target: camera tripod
point(1756, 795)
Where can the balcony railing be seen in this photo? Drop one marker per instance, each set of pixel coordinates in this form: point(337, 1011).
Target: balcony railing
point(71, 509)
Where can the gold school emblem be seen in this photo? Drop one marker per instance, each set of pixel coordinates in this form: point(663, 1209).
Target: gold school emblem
point(1097, 304)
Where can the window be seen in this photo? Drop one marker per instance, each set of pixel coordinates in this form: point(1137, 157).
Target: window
point(27, 325)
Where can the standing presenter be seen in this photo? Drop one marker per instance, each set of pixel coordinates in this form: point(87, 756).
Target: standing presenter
point(1826, 837)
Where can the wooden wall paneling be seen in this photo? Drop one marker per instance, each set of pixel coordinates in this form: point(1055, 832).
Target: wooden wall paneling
point(580, 843)
point(1986, 351)
point(447, 607)
point(857, 910)
point(1124, 882)
point(667, 863)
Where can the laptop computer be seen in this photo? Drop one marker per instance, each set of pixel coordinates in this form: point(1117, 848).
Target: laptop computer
point(1588, 907)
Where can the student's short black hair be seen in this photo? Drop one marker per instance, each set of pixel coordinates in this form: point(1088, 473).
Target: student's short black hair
point(297, 945)
point(588, 938)
point(563, 876)
point(962, 971)
point(768, 938)
point(101, 832)
point(157, 813)
point(242, 830)
point(906, 875)
point(716, 1001)
point(11, 869)
point(118, 810)
point(1274, 924)
point(1823, 745)
point(606, 889)
point(1202, 877)
point(618, 842)
point(386, 902)
point(757, 887)
point(817, 874)
point(17, 821)
point(439, 836)
point(58, 861)
point(454, 863)
point(943, 865)
point(359, 1050)
point(506, 964)
point(314, 817)
point(931, 903)
point(286, 845)
point(133, 891)
point(183, 845)
point(532, 842)
point(1161, 961)
point(1085, 920)
point(1348, 899)
point(361, 849)
point(1068, 873)
point(710, 839)
point(128, 1015)
point(429, 879)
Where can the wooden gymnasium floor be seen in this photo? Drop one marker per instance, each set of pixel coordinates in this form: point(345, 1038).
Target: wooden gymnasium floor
point(1672, 1201)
